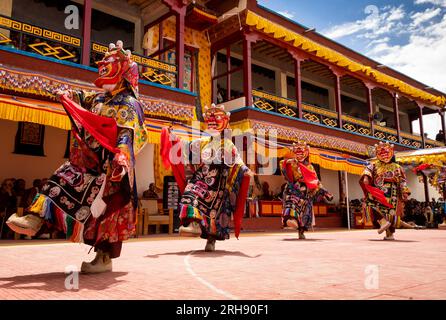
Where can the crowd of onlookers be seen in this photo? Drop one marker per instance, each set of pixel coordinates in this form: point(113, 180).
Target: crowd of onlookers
point(429, 214)
point(426, 214)
point(15, 194)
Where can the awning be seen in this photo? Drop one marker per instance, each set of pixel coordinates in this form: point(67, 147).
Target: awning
point(325, 159)
point(182, 130)
point(53, 114)
point(293, 134)
point(422, 156)
point(32, 110)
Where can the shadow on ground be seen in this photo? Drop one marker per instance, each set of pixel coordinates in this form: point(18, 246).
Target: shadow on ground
point(55, 281)
point(305, 240)
point(390, 241)
point(203, 254)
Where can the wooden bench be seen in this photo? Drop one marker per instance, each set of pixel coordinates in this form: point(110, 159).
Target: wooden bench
point(150, 213)
point(159, 220)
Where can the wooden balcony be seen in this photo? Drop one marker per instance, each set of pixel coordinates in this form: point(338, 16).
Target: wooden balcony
point(328, 118)
point(49, 53)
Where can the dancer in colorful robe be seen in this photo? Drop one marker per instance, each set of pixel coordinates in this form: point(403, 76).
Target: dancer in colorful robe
point(92, 197)
point(302, 189)
point(212, 178)
point(385, 188)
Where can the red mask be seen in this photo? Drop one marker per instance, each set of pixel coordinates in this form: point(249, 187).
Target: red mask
point(116, 66)
point(384, 152)
point(216, 118)
point(301, 151)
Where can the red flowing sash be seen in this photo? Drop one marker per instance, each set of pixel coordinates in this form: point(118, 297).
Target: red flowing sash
point(378, 195)
point(103, 129)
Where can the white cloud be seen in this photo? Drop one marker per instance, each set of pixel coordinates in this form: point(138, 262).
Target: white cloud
point(441, 3)
point(287, 14)
point(422, 57)
point(421, 17)
point(377, 23)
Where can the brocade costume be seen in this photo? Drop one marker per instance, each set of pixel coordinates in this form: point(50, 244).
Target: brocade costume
point(302, 189)
point(213, 182)
point(92, 197)
point(385, 188)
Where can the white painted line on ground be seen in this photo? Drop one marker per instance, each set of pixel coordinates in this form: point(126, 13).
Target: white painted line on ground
point(204, 282)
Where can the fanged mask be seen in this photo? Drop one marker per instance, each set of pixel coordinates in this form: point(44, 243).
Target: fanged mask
point(384, 152)
point(116, 66)
point(301, 151)
point(216, 119)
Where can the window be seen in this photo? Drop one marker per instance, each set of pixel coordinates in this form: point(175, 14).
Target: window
point(29, 139)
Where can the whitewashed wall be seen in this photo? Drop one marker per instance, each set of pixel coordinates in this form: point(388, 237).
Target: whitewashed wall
point(144, 168)
point(30, 167)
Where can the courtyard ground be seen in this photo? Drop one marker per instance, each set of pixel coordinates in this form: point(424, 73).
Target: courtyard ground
point(328, 265)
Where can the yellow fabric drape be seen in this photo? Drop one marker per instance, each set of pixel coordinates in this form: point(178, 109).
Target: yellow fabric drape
point(279, 32)
point(197, 39)
point(10, 110)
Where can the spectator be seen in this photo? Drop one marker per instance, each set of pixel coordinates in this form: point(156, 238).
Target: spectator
point(19, 189)
point(44, 181)
point(30, 193)
point(220, 94)
point(429, 214)
point(8, 205)
point(150, 193)
point(440, 136)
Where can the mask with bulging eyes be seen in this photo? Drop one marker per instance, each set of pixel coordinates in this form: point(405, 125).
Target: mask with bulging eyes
point(116, 66)
point(301, 151)
point(384, 152)
point(216, 119)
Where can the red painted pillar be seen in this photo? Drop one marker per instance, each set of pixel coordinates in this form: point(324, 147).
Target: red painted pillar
point(179, 43)
point(298, 85)
point(396, 112)
point(443, 126)
point(228, 78)
point(420, 117)
point(338, 98)
point(370, 107)
point(86, 33)
point(247, 70)
point(426, 188)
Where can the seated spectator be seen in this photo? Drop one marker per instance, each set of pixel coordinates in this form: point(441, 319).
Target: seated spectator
point(19, 189)
point(8, 206)
point(429, 214)
point(440, 136)
point(30, 194)
point(150, 193)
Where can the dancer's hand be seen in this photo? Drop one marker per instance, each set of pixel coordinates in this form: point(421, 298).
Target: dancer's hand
point(59, 93)
point(250, 173)
point(119, 165)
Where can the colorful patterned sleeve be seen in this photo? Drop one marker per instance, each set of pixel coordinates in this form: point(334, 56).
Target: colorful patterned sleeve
point(84, 98)
point(403, 183)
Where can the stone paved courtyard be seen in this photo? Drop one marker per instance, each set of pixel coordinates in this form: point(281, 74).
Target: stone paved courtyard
point(328, 265)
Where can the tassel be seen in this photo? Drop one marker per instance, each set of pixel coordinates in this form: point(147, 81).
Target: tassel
point(37, 206)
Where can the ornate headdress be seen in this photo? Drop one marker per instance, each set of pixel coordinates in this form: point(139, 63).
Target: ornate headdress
point(116, 65)
point(216, 118)
point(301, 150)
point(384, 151)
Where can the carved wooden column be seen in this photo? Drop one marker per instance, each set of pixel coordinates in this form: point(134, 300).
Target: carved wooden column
point(86, 33)
point(396, 112)
point(369, 87)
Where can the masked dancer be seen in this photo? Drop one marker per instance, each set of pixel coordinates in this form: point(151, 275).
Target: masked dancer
point(92, 197)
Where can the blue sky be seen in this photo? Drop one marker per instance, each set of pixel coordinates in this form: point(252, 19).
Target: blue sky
point(409, 36)
point(381, 29)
